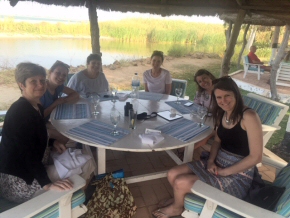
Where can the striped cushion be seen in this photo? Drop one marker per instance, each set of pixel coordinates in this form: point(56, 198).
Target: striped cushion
point(195, 203)
point(253, 68)
point(53, 212)
point(267, 112)
point(283, 180)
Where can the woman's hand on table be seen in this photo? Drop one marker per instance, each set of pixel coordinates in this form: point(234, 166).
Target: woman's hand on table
point(59, 147)
point(60, 185)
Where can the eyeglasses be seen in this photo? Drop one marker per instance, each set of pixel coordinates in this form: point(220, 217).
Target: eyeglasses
point(224, 78)
point(61, 63)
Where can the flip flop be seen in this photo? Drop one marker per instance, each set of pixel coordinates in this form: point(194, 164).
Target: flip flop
point(165, 203)
point(161, 213)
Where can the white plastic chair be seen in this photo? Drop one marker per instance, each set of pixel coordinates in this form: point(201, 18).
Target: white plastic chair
point(51, 203)
point(252, 68)
point(221, 204)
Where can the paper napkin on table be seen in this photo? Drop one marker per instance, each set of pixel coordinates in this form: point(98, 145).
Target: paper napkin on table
point(151, 138)
point(122, 96)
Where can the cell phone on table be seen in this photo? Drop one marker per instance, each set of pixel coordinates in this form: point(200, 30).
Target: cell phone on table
point(188, 104)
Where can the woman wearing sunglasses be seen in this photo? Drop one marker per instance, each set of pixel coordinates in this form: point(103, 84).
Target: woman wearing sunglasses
point(236, 150)
point(57, 75)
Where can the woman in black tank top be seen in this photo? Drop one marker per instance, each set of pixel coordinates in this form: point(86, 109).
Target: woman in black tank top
point(237, 148)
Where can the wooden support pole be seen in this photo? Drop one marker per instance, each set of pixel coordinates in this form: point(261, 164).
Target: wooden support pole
point(276, 62)
point(275, 43)
point(244, 44)
point(231, 45)
point(94, 27)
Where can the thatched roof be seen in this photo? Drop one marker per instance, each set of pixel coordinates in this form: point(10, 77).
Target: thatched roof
point(260, 12)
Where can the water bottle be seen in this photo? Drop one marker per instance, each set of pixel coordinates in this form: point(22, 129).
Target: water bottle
point(135, 81)
point(135, 86)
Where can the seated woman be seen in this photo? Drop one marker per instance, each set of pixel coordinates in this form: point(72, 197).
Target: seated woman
point(236, 150)
point(57, 75)
point(90, 80)
point(157, 79)
point(24, 140)
point(203, 79)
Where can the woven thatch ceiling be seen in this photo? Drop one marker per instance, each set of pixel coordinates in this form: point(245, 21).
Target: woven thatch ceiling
point(260, 12)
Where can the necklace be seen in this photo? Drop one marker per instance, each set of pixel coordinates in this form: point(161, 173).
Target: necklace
point(228, 121)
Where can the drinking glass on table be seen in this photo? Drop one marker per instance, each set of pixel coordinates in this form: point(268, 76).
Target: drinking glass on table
point(178, 93)
point(114, 91)
point(115, 118)
point(201, 113)
point(95, 99)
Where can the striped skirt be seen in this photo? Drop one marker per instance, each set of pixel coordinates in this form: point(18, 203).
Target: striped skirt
point(236, 184)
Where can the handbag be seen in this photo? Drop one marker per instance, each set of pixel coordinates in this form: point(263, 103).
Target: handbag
point(111, 199)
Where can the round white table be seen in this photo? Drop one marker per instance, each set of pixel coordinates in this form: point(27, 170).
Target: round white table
point(132, 142)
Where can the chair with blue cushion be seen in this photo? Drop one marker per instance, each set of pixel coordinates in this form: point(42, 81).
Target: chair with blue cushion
point(50, 204)
point(252, 68)
point(206, 201)
point(178, 83)
point(270, 112)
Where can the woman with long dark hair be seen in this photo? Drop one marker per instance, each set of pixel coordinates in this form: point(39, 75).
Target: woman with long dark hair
point(236, 150)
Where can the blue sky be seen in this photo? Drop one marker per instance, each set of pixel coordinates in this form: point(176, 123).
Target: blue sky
point(33, 9)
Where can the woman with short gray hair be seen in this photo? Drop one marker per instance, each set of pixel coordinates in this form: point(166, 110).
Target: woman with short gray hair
point(24, 140)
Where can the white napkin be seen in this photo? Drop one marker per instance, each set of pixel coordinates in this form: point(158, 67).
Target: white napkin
point(69, 162)
point(122, 96)
point(151, 138)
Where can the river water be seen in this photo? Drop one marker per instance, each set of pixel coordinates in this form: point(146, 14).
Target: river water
point(71, 51)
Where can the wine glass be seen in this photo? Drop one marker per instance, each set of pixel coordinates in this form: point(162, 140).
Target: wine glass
point(95, 99)
point(201, 112)
point(115, 118)
point(178, 93)
point(114, 91)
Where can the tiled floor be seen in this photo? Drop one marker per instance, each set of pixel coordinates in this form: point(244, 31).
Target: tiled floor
point(148, 194)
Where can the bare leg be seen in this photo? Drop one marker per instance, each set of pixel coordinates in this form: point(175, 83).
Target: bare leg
point(181, 187)
point(174, 172)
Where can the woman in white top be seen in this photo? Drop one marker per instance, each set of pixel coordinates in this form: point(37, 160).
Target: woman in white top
point(90, 80)
point(157, 79)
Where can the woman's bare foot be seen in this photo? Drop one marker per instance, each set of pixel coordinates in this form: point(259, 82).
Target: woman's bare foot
point(167, 212)
point(165, 203)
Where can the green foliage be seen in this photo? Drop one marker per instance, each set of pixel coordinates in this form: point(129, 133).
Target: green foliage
point(178, 50)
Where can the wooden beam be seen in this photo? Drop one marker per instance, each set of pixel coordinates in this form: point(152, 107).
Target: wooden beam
point(94, 27)
point(231, 45)
point(275, 39)
point(266, 8)
point(241, 2)
point(276, 62)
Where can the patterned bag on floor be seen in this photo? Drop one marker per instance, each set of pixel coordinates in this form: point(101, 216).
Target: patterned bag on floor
point(111, 199)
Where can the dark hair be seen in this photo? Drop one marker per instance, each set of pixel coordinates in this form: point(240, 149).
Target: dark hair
point(227, 84)
point(200, 73)
point(158, 53)
point(93, 57)
point(58, 64)
point(26, 70)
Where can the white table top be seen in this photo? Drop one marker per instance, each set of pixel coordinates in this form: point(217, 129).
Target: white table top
point(131, 142)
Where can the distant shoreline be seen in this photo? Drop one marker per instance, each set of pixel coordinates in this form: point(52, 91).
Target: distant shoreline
point(43, 36)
